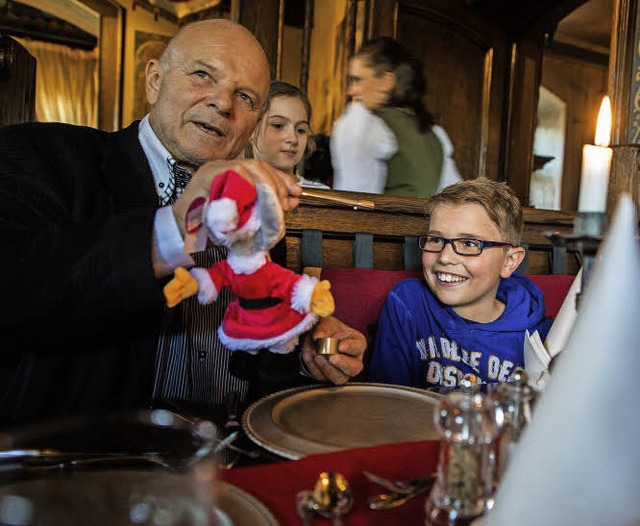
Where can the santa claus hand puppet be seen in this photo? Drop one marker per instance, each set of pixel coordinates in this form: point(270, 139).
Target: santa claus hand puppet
point(274, 305)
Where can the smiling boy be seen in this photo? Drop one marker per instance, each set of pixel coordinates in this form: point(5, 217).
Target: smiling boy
point(470, 312)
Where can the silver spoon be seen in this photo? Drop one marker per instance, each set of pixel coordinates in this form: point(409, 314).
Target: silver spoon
point(304, 506)
point(332, 496)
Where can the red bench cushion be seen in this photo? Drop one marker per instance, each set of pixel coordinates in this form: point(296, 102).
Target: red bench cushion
point(555, 288)
point(360, 293)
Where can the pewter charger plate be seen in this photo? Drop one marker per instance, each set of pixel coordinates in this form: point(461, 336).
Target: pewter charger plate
point(108, 497)
point(243, 509)
point(307, 420)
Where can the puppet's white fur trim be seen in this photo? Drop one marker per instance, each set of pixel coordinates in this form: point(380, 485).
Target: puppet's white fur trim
point(301, 296)
point(214, 220)
point(282, 344)
point(243, 264)
point(207, 291)
point(222, 215)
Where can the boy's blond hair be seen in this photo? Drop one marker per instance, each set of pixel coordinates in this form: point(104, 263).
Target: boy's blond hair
point(498, 199)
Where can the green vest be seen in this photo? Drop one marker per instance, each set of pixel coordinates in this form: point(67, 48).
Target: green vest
point(415, 169)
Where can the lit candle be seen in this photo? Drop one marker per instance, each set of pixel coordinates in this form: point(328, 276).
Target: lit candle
point(596, 163)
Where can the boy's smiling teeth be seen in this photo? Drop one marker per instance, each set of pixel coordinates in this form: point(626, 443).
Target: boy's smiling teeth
point(449, 278)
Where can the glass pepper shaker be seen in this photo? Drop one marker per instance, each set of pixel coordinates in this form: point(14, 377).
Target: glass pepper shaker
point(469, 424)
point(516, 399)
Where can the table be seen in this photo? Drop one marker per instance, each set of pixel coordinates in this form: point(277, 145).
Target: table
point(276, 485)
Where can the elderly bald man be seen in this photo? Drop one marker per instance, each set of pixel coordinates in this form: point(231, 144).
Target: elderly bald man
point(91, 224)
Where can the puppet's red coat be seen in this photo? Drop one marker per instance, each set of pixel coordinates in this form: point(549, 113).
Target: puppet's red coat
point(250, 325)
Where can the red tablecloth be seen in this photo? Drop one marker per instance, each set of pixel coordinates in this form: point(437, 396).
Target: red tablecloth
point(276, 485)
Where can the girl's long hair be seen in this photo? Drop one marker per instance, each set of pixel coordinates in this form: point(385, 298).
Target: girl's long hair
point(387, 54)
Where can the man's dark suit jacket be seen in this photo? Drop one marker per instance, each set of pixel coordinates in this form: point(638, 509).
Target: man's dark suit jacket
point(80, 308)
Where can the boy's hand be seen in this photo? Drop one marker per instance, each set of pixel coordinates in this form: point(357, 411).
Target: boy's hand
point(180, 287)
point(322, 303)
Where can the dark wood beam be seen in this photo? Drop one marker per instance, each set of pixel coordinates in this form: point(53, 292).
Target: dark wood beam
point(111, 42)
point(262, 18)
point(24, 21)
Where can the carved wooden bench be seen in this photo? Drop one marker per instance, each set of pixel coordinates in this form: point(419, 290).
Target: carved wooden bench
point(325, 234)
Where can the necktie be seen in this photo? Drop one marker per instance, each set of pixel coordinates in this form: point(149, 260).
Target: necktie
point(178, 180)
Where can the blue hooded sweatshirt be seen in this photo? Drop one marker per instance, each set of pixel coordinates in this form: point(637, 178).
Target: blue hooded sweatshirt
point(422, 343)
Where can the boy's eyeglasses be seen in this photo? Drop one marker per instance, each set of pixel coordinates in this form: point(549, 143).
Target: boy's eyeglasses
point(463, 246)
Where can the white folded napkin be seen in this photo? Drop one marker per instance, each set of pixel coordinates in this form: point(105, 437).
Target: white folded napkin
point(536, 360)
point(578, 462)
point(566, 317)
point(537, 355)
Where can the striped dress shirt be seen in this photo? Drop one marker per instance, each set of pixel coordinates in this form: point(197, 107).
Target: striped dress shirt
point(191, 363)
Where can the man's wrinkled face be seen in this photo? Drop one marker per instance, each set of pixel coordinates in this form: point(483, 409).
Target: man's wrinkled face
point(207, 95)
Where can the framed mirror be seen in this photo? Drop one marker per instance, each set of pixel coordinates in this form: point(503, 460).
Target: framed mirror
point(575, 68)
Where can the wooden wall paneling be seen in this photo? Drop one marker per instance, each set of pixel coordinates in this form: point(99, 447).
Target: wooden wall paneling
point(17, 82)
point(382, 18)
point(351, 18)
point(624, 82)
point(465, 67)
point(583, 96)
point(525, 67)
point(262, 18)
point(111, 59)
point(624, 73)
point(111, 43)
point(234, 10)
point(625, 172)
point(306, 44)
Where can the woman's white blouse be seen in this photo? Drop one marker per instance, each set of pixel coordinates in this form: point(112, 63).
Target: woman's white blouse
point(361, 142)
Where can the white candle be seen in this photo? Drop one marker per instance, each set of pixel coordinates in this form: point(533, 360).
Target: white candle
point(596, 164)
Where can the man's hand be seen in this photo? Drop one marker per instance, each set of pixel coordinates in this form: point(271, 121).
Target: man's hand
point(336, 368)
point(285, 187)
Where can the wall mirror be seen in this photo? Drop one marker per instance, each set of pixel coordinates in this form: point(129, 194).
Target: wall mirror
point(573, 81)
point(464, 43)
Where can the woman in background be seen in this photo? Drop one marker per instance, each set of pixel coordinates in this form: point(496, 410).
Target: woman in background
point(386, 141)
point(283, 135)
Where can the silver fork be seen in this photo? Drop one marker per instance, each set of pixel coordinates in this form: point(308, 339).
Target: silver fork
point(397, 486)
point(401, 491)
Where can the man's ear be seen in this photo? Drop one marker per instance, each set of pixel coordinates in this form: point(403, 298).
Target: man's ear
point(512, 261)
point(153, 79)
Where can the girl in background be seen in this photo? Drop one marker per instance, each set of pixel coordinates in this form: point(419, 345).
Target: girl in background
point(386, 141)
point(283, 135)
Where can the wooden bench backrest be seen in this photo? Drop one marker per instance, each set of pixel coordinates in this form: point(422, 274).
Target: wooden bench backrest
point(325, 234)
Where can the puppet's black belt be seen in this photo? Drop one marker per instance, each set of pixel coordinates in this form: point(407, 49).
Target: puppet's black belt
point(258, 303)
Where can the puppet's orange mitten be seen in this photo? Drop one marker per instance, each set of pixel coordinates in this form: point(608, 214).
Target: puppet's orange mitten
point(180, 287)
point(322, 303)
